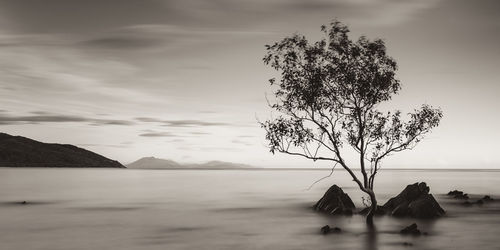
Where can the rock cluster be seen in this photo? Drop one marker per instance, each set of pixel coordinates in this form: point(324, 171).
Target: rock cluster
point(414, 201)
point(335, 201)
point(463, 196)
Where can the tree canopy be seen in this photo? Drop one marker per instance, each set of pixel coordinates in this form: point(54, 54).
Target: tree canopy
point(328, 93)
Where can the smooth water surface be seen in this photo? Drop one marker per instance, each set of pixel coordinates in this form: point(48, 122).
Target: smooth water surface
point(227, 209)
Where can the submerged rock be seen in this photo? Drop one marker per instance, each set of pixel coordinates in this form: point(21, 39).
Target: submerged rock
point(414, 201)
point(483, 200)
point(335, 201)
point(463, 196)
point(455, 192)
point(458, 194)
point(487, 198)
point(411, 229)
point(325, 230)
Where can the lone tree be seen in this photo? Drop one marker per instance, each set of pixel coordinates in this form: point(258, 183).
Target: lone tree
point(327, 95)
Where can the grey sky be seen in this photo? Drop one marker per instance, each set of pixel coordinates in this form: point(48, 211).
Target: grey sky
point(184, 80)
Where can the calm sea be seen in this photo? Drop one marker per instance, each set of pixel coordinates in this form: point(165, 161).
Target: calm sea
point(227, 209)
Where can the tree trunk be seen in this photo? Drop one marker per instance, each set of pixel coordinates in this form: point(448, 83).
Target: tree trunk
point(373, 207)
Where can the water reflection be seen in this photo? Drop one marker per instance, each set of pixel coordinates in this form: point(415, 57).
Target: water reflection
point(371, 242)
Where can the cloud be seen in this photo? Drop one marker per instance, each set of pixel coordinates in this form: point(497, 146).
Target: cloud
point(192, 123)
point(247, 136)
point(76, 16)
point(148, 119)
point(91, 16)
point(199, 133)
point(182, 123)
point(45, 117)
point(122, 42)
point(158, 134)
point(236, 141)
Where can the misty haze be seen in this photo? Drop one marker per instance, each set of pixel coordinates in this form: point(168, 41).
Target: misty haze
point(283, 124)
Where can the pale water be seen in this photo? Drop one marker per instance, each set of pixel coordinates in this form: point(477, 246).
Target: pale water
point(226, 209)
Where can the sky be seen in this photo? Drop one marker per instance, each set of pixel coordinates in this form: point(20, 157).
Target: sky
point(184, 79)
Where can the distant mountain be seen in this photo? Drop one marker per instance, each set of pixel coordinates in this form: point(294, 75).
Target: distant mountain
point(156, 163)
point(151, 162)
point(18, 151)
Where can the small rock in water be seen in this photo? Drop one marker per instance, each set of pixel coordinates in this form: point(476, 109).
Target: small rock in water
point(458, 194)
point(487, 198)
point(480, 202)
point(325, 230)
point(411, 229)
point(24, 203)
point(455, 192)
point(407, 244)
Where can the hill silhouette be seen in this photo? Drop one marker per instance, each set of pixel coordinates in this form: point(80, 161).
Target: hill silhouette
point(157, 163)
point(18, 151)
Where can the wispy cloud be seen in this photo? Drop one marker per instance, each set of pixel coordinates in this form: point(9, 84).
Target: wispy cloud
point(158, 134)
point(44, 117)
point(122, 42)
point(237, 141)
point(193, 123)
point(199, 133)
point(183, 123)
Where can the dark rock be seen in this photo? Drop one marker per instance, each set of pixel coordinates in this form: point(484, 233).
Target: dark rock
point(401, 210)
point(348, 212)
point(458, 194)
point(461, 196)
point(326, 229)
point(481, 201)
point(487, 198)
point(414, 201)
point(455, 192)
point(407, 244)
point(425, 207)
point(378, 211)
point(335, 201)
point(411, 229)
point(24, 203)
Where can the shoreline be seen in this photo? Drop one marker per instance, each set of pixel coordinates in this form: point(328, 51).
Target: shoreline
point(276, 169)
